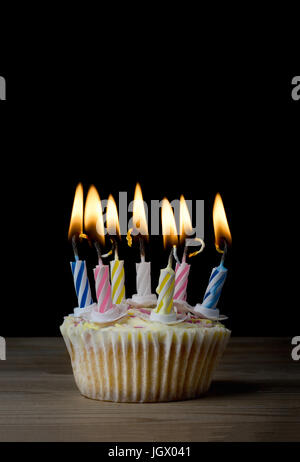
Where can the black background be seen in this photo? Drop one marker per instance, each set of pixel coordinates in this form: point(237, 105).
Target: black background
point(178, 120)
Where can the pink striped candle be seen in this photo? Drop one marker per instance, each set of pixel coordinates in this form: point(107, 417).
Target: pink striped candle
point(103, 288)
point(182, 271)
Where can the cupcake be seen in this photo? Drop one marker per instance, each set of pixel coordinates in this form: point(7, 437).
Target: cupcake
point(135, 359)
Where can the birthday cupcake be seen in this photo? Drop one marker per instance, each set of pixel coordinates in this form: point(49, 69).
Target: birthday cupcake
point(147, 348)
point(135, 359)
point(137, 354)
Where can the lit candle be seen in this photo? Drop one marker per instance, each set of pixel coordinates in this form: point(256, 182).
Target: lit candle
point(78, 267)
point(143, 269)
point(116, 265)
point(164, 311)
point(93, 222)
point(218, 274)
point(182, 269)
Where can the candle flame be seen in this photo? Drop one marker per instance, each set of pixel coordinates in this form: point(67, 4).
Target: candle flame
point(185, 223)
point(112, 218)
point(222, 231)
point(93, 217)
point(139, 214)
point(168, 224)
point(77, 213)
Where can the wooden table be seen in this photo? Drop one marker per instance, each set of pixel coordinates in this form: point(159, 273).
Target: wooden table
point(255, 397)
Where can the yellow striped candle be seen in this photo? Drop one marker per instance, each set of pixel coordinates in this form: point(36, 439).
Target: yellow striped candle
point(116, 265)
point(164, 311)
point(117, 281)
point(165, 291)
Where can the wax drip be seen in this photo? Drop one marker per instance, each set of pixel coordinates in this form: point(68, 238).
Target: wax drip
point(129, 237)
point(141, 243)
point(188, 244)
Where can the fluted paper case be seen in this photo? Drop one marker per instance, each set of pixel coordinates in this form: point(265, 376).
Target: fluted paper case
point(145, 366)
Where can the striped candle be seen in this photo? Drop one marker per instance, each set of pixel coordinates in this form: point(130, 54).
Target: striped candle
point(165, 291)
point(143, 278)
point(117, 281)
point(181, 280)
point(81, 283)
point(214, 288)
point(103, 288)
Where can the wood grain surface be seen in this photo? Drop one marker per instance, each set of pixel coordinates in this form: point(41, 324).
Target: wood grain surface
point(255, 397)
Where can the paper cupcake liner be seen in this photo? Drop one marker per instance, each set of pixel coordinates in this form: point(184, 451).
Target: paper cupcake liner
point(148, 366)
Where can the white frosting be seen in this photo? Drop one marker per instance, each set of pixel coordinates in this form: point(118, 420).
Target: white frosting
point(182, 306)
point(117, 312)
point(199, 310)
point(142, 300)
point(80, 311)
point(171, 318)
point(209, 313)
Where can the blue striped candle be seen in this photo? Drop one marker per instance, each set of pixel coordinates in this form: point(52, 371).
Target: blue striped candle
point(81, 283)
point(214, 288)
